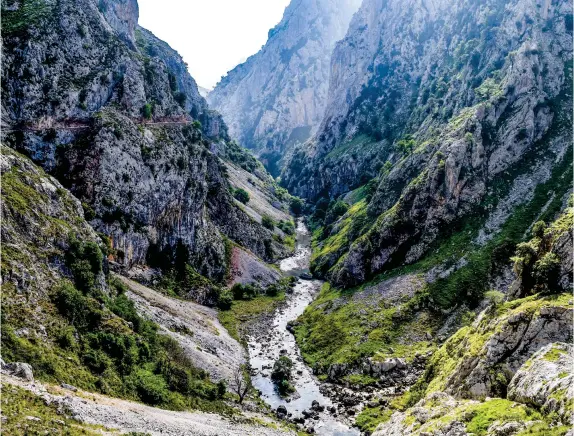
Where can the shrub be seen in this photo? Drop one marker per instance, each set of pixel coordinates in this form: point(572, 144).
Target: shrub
point(196, 125)
point(225, 299)
point(281, 374)
point(287, 227)
point(406, 145)
point(336, 210)
point(151, 388)
point(244, 292)
point(267, 222)
point(296, 205)
point(89, 213)
point(241, 195)
point(147, 111)
point(181, 98)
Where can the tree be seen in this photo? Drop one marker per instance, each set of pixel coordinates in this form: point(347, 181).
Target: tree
point(147, 111)
point(281, 375)
point(241, 195)
point(241, 383)
point(267, 222)
point(296, 205)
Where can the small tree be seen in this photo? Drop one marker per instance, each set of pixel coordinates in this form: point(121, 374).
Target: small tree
point(281, 375)
point(241, 195)
point(296, 205)
point(241, 383)
point(147, 111)
point(267, 222)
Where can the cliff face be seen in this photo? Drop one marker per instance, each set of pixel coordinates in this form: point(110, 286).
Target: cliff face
point(437, 103)
point(111, 111)
point(277, 97)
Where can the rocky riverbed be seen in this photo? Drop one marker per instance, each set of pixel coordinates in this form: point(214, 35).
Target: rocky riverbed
point(308, 406)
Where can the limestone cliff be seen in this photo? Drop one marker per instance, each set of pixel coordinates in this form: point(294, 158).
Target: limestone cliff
point(112, 112)
point(434, 104)
point(277, 97)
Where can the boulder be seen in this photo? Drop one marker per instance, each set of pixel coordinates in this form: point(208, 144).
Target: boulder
point(20, 370)
point(546, 381)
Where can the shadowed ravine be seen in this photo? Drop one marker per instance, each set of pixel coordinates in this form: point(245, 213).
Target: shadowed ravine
point(265, 349)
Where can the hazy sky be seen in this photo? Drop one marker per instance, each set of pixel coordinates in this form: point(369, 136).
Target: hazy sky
point(212, 36)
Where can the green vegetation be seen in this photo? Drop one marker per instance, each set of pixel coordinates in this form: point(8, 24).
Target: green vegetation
point(18, 404)
point(243, 311)
point(28, 14)
point(241, 195)
point(100, 343)
point(287, 227)
point(268, 222)
point(336, 328)
point(281, 375)
point(147, 111)
point(296, 205)
point(468, 342)
point(179, 278)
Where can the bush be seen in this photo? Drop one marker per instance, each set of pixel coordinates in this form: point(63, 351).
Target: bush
point(81, 311)
point(336, 210)
point(151, 388)
point(287, 227)
point(244, 292)
point(181, 98)
point(85, 262)
point(147, 111)
point(267, 222)
point(281, 374)
point(241, 195)
point(296, 205)
point(225, 299)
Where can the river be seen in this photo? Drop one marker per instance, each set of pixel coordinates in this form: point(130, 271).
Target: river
point(266, 348)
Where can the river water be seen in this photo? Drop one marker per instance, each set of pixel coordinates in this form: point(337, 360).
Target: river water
point(267, 347)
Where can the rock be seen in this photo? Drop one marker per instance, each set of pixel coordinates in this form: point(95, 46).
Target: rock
point(276, 98)
point(33, 418)
point(506, 429)
point(546, 380)
point(282, 410)
point(20, 370)
point(69, 387)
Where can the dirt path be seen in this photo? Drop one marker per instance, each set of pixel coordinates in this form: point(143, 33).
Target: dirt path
point(127, 416)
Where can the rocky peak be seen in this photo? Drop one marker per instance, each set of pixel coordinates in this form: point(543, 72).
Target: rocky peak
point(277, 97)
point(126, 131)
point(122, 16)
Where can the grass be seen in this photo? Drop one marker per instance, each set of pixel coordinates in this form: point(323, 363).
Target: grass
point(243, 311)
point(18, 405)
point(29, 13)
point(336, 328)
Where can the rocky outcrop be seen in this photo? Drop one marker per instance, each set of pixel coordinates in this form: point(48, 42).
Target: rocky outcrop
point(480, 360)
point(195, 327)
point(276, 99)
point(546, 381)
point(39, 217)
point(125, 129)
point(452, 97)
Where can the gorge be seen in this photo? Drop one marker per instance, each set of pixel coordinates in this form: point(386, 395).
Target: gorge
point(363, 229)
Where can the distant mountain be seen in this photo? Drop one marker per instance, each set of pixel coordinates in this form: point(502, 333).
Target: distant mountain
point(277, 97)
point(204, 92)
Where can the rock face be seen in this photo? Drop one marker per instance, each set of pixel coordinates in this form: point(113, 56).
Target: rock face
point(111, 111)
point(479, 361)
point(276, 99)
point(38, 216)
point(546, 381)
point(452, 95)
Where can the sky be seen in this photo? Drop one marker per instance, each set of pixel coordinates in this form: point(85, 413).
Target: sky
point(212, 36)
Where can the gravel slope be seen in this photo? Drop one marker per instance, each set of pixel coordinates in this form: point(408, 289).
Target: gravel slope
point(195, 327)
point(127, 416)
